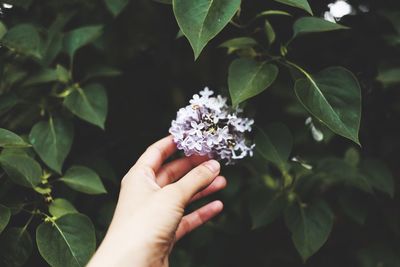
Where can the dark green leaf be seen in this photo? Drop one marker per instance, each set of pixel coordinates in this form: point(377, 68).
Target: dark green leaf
point(68, 241)
point(8, 101)
point(15, 247)
point(52, 141)
point(389, 76)
point(43, 76)
point(378, 176)
point(265, 207)
point(333, 96)
point(3, 30)
point(102, 71)
point(24, 39)
point(5, 215)
point(202, 20)
point(302, 4)
point(84, 180)
point(275, 144)
point(116, 6)
point(21, 168)
point(10, 139)
point(89, 103)
point(306, 25)
point(310, 225)
point(248, 78)
point(239, 43)
point(77, 38)
point(60, 206)
point(269, 32)
point(354, 206)
point(62, 74)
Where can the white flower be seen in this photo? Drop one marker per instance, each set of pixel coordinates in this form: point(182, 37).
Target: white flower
point(208, 126)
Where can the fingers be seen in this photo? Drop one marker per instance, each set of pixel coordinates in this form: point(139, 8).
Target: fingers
point(157, 153)
point(218, 184)
point(195, 180)
point(198, 217)
point(174, 170)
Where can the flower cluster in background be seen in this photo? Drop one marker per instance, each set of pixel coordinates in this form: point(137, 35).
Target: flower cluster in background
point(208, 126)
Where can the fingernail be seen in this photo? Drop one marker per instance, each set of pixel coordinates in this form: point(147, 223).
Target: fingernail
point(213, 165)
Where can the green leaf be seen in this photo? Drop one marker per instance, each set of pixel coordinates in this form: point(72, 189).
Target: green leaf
point(302, 4)
point(77, 38)
point(352, 157)
point(248, 78)
point(102, 71)
point(67, 241)
point(43, 76)
point(310, 225)
point(89, 103)
point(15, 247)
point(21, 168)
point(60, 206)
point(116, 6)
point(202, 20)
point(333, 96)
point(24, 39)
point(8, 101)
point(84, 180)
point(238, 44)
point(265, 207)
point(275, 144)
point(3, 30)
point(389, 76)
point(306, 25)
point(5, 215)
point(354, 206)
point(52, 141)
point(10, 139)
point(62, 74)
point(378, 176)
point(269, 32)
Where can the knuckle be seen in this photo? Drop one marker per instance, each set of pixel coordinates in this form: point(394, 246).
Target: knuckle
point(202, 172)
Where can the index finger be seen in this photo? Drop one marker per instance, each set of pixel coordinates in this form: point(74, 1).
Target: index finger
point(157, 153)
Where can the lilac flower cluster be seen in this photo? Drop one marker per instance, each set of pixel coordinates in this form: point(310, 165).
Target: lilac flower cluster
point(208, 126)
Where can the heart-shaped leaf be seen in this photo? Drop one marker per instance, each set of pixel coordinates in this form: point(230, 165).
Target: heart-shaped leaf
point(84, 180)
point(15, 247)
point(89, 103)
point(67, 241)
point(248, 78)
point(310, 225)
point(60, 206)
point(274, 144)
point(306, 25)
point(302, 4)
point(5, 215)
point(202, 20)
point(24, 39)
point(52, 141)
point(10, 139)
point(21, 168)
point(333, 96)
point(77, 38)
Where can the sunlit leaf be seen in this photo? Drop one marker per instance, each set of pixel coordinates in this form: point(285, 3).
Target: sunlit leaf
point(248, 78)
point(202, 20)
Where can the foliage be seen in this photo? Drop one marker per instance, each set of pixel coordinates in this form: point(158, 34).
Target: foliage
point(85, 87)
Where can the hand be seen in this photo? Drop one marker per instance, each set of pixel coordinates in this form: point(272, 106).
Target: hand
point(149, 217)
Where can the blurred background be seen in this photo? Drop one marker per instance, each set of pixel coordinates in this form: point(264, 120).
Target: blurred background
point(158, 75)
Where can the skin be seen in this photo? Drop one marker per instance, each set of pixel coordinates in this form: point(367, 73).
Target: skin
point(149, 218)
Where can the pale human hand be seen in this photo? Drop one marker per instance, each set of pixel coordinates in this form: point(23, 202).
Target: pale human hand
point(149, 217)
